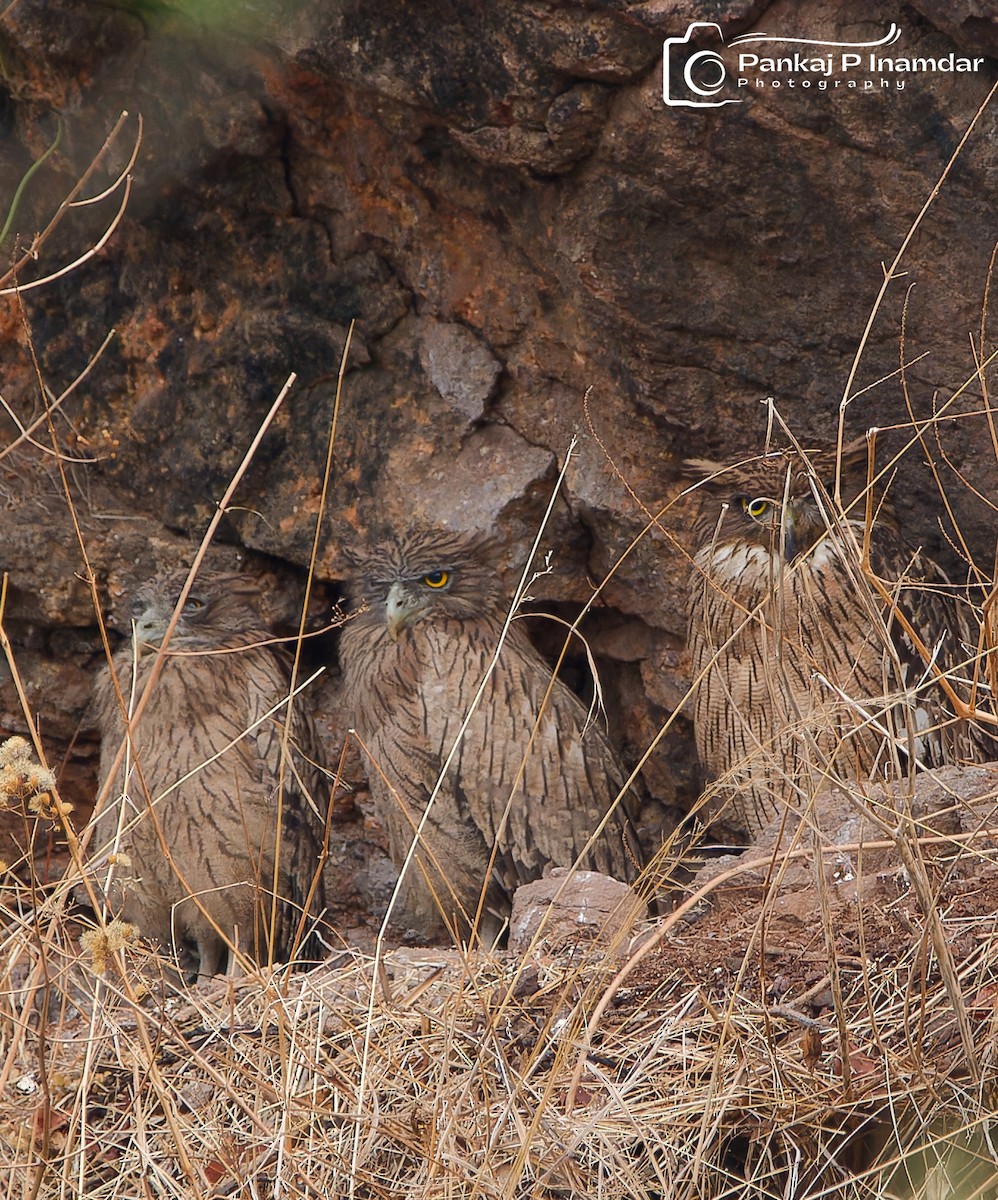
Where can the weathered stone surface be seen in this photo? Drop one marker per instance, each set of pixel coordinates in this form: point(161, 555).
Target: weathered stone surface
point(531, 248)
point(970, 23)
point(566, 910)
point(944, 809)
point(460, 367)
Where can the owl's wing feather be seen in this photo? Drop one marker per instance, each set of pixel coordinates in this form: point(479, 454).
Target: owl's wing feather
point(304, 796)
point(526, 785)
point(212, 773)
point(536, 780)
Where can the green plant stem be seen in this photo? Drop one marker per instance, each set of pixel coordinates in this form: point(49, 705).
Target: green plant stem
point(26, 179)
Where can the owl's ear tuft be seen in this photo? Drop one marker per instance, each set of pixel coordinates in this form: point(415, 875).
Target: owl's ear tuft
point(234, 584)
point(703, 469)
point(353, 556)
point(450, 547)
point(367, 549)
point(488, 548)
point(855, 458)
point(706, 472)
point(854, 461)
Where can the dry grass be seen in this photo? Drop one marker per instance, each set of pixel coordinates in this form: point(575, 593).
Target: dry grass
point(862, 1064)
point(438, 1074)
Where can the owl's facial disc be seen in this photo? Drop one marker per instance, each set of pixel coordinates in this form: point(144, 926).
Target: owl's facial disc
point(151, 618)
point(409, 600)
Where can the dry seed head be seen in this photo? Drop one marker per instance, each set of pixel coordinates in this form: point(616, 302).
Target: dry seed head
point(48, 805)
point(15, 752)
point(40, 779)
point(100, 944)
point(24, 779)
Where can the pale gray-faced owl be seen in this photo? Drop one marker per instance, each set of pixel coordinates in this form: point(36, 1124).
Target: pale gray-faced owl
point(531, 778)
point(803, 672)
point(221, 835)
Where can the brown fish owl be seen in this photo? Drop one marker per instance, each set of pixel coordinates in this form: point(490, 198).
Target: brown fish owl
point(222, 848)
point(530, 777)
point(802, 671)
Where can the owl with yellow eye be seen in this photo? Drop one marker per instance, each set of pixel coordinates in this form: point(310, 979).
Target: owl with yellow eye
point(803, 672)
point(501, 759)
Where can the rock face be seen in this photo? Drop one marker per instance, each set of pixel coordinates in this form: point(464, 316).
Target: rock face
point(499, 201)
point(573, 911)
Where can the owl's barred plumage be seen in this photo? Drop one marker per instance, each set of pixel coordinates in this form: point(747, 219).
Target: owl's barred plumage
point(531, 776)
point(220, 825)
point(805, 672)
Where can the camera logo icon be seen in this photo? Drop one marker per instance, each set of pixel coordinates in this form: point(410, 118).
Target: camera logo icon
point(694, 80)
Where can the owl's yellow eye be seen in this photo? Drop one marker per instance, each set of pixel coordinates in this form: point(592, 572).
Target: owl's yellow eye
point(755, 508)
point(437, 579)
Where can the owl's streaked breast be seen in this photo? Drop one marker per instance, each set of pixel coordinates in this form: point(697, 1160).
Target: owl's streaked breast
point(803, 670)
point(518, 779)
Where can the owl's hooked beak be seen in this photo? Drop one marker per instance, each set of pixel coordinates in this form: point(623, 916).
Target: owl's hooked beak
point(790, 542)
point(148, 633)
point(398, 610)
